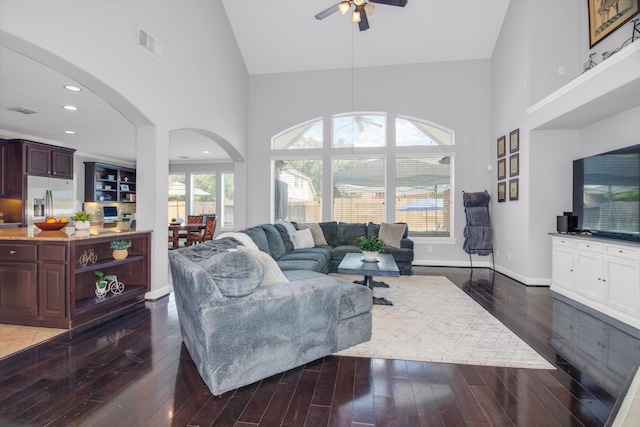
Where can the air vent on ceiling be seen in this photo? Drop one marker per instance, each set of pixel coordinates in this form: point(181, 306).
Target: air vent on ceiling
point(183, 157)
point(22, 110)
point(148, 43)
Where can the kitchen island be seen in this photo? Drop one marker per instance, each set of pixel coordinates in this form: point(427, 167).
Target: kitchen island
point(48, 278)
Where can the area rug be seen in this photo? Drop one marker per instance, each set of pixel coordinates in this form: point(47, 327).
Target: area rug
point(432, 320)
point(14, 338)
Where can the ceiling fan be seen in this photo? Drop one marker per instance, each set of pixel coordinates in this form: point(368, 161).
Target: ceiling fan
point(361, 9)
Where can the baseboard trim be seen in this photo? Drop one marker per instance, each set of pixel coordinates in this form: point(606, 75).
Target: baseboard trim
point(527, 281)
point(156, 294)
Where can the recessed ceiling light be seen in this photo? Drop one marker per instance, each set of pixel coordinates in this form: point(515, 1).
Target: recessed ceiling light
point(205, 152)
point(70, 107)
point(70, 132)
point(72, 88)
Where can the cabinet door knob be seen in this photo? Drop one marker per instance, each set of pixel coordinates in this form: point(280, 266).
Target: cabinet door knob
point(12, 252)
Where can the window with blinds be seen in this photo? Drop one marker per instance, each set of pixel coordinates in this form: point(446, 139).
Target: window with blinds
point(359, 189)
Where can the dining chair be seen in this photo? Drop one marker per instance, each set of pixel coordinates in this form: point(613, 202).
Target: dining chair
point(205, 234)
point(192, 219)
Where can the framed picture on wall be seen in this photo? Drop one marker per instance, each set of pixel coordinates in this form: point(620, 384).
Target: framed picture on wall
point(514, 165)
point(606, 16)
point(502, 191)
point(502, 168)
point(514, 141)
point(514, 189)
point(502, 146)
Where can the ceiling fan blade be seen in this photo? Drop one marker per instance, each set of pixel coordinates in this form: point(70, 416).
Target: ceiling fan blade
point(328, 11)
point(401, 3)
point(364, 21)
point(360, 126)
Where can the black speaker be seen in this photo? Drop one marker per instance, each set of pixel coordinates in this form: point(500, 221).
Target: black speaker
point(567, 223)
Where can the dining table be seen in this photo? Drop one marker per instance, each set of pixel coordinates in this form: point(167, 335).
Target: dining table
point(175, 230)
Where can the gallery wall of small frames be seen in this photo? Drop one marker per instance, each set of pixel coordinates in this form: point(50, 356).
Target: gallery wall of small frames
point(509, 167)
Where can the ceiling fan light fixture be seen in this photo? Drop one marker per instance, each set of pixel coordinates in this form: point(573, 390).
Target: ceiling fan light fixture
point(356, 16)
point(369, 9)
point(358, 2)
point(344, 7)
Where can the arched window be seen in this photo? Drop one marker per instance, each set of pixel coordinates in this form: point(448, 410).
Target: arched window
point(375, 176)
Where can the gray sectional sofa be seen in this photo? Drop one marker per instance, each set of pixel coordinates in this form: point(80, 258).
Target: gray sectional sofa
point(245, 315)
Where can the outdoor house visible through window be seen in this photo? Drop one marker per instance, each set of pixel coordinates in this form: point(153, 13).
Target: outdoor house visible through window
point(375, 175)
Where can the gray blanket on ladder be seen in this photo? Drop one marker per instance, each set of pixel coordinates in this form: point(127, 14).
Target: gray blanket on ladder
point(478, 232)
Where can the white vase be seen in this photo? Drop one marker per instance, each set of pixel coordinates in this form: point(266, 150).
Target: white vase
point(370, 256)
point(82, 225)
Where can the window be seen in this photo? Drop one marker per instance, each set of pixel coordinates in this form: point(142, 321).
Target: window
point(359, 130)
point(197, 194)
point(414, 132)
point(225, 219)
point(358, 189)
point(304, 135)
point(177, 191)
point(407, 178)
point(203, 192)
point(298, 190)
point(423, 194)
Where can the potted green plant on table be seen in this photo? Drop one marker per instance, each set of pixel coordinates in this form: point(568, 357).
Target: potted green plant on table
point(82, 220)
point(370, 247)
point(120, 249)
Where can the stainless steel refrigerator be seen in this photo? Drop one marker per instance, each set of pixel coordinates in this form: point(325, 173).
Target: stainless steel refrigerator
point(49, 197)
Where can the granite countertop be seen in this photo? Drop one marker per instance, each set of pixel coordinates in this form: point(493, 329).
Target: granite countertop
point(66, 234)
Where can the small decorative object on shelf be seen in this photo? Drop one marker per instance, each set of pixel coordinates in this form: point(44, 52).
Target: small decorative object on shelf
point(120, 249)
point(82, 220)
point(370, 247)
point(88, 256)
point(104, 284)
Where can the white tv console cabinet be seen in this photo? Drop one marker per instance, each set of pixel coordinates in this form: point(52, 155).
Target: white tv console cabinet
point(603, 274)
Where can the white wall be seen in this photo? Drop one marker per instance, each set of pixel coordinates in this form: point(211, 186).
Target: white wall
point(455, 95)
point(538, 37)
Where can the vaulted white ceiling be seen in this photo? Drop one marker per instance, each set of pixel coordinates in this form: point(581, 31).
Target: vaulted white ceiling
point(274, 36)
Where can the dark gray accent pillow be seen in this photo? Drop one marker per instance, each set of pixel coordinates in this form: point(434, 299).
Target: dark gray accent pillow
point(276, 245)
point(349, 232)
point(330, 230)
point(286, 239)
point(236, 273)
point(259, 238)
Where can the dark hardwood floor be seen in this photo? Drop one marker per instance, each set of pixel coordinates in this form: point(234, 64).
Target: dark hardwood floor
point(134, 371)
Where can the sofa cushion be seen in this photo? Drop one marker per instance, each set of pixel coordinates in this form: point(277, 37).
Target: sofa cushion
point(272, 273)
point(276, 245)
point(259, 238)
point(349, 232)
point(330, 231)
point(340, 251)
point(204, 251)
point(286, 239)
point(291, 231)
point(306, 238)
point(391, 234)
point(316, 232)
point(235, 273)
point(374, 229)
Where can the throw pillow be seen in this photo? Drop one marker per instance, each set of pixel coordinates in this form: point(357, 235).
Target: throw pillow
point(236, 274)
point(291, 230)
point(316, 232)
point(240, 237)
point(272, 273)
point(391, 234)
point(306, 238)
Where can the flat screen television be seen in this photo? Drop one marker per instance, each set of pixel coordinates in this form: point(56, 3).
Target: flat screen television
point(606, 193)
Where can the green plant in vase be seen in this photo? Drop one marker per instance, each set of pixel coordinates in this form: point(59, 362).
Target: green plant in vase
point(82, 220)
point(120, 249)
point(370, 247)
point(101, 283)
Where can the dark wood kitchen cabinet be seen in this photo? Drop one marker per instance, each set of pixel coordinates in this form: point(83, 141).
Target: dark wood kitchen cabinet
point(3, 167)
point(47, 160)
point(109, 183)
point(18, 273)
